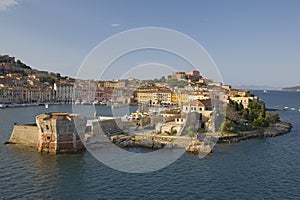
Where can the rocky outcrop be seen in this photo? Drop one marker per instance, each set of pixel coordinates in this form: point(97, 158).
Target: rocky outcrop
point(197, 147)
point(136, 141)
point(275, 130)
point(158, 142)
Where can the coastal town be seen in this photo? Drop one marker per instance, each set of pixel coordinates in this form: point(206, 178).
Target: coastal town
point(183, 105)
point(179, 93)
point(19, 84)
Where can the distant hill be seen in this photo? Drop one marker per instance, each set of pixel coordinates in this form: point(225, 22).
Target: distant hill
point(9, 64)
point(295, 88)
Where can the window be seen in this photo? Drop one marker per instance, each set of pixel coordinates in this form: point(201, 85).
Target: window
point(47, 126)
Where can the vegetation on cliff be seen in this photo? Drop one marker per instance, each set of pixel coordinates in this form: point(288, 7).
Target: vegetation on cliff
point(254, 117)
point(172, 82)
point(47, 79)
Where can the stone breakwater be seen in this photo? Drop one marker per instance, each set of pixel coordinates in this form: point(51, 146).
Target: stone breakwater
point(275, 130)
point(160, 141)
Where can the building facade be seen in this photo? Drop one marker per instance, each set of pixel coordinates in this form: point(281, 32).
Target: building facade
point(63, 92)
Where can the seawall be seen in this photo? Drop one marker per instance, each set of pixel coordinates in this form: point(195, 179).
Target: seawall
point(26, 134)
point(52, 133)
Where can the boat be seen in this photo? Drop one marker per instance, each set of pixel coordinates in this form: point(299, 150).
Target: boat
point(85, 102)
point(265, 91)
point(3, 105)
point(102, 103)
point(77, 102)
point(96, 102)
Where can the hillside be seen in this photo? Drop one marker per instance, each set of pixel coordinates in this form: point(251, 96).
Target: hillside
point(10, 65)
point(295, 88)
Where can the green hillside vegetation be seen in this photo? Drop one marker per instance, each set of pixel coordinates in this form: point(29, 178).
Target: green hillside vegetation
point(172, 82)
point(47, 79)
point(254, 117)
point(22, 65)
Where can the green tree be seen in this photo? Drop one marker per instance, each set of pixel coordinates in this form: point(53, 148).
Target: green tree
point(47, 79)
point(245, 113)
point(260, 121)
point(173, 132)
point(254, 106)
point(263, 110)
point(191, 131)
point(162, 79)
point(228, 126)
point(272, 118)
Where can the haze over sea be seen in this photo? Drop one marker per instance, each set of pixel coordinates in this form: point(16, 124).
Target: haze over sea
point(253, 169)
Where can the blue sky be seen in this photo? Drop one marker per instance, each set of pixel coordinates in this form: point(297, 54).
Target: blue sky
point(252, 42)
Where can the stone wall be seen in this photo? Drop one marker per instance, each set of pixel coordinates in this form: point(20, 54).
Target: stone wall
point(25, 135)
point(58, 134)
point(110, 126)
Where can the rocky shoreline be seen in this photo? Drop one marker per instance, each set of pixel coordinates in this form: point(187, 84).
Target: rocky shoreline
point(202, 144)
point(160, 141)
point(278, 129)
point(194, 146)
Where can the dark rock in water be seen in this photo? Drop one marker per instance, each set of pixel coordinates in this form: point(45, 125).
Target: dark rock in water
point(8, 142)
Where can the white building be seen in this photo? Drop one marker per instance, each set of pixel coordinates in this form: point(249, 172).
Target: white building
point(204, 107)
point(244, 100)
point(63, 92)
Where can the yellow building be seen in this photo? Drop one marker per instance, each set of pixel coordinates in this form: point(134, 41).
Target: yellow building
point(174, 99)
point(152, 94)
point(182, 98)
point(110, 84)
point(144, 97)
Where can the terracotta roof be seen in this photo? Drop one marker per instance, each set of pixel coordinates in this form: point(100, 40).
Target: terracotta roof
point(198, 102)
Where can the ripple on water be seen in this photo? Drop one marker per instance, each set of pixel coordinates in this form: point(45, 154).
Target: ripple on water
point(255, 169)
